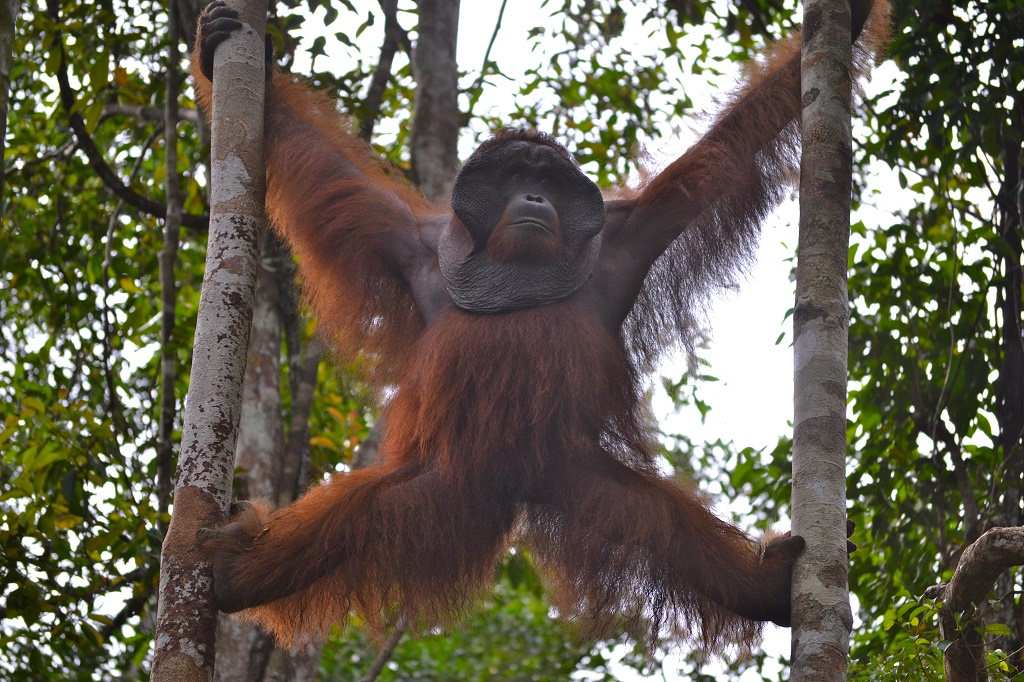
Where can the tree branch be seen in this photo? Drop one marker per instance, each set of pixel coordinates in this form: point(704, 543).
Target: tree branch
point(979, 566)
point(400, 34)
point(132, 607)
point(474, 94)
point(8, 18)
point(939, 433)
point(295, 468)
point(386, 650)
point(382, 74)
point(145, 113)
point(88, 146)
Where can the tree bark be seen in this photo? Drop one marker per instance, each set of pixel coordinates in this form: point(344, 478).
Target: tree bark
point(822, 619)
point(167, 258)
point(435, 126)
point(978, 569)
point(295, 466)
point(8, 19)
point(261, 430)
point(244, 650)
point(186, 620)
point(1009, 388)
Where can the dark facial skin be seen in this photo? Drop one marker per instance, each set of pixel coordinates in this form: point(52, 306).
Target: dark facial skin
point(528, 231)
point(527, 225)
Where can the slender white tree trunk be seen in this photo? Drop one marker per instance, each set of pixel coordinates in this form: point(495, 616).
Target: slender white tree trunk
point(822, 619)
point(186, 619)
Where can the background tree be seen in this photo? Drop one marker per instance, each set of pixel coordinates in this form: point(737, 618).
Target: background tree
point(8, 17)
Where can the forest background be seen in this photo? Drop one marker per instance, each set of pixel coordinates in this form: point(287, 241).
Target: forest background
point(100, 289)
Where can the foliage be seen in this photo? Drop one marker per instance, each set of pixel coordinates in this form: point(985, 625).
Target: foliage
point(909, 638)
point(938, 455)
point(512, 636)
point(79, 311)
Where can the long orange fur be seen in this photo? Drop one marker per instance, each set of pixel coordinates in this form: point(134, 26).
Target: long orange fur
point(530, 423)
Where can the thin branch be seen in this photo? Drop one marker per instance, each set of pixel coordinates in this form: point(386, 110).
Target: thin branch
point(997, 195)
point(132, 607)
point(144, 113)
point(938, 432)
point(88, 146)
point(66, 148)
point(952, 331)
point(296, 468)
point(382, 74)
point(168, 285)
point(400, 34)
point(478, 83)
point(386, 651)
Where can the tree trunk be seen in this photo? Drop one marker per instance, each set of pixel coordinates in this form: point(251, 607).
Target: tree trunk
point(822, 619)
point(8, 18)
point(167, 258)
point(1009, 387)
point(261, 429)
point(435, 125)
point(186, 620)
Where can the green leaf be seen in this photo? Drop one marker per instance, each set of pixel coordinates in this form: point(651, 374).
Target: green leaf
point(998, 630)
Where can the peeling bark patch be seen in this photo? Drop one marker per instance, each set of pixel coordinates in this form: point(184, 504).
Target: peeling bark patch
point(830, 663)
point(810, 97)
point(236, 265)
point(811, 613)
point(812, 23)
point(233, 177)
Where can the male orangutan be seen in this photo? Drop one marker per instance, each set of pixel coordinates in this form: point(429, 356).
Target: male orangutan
point(511, 335)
